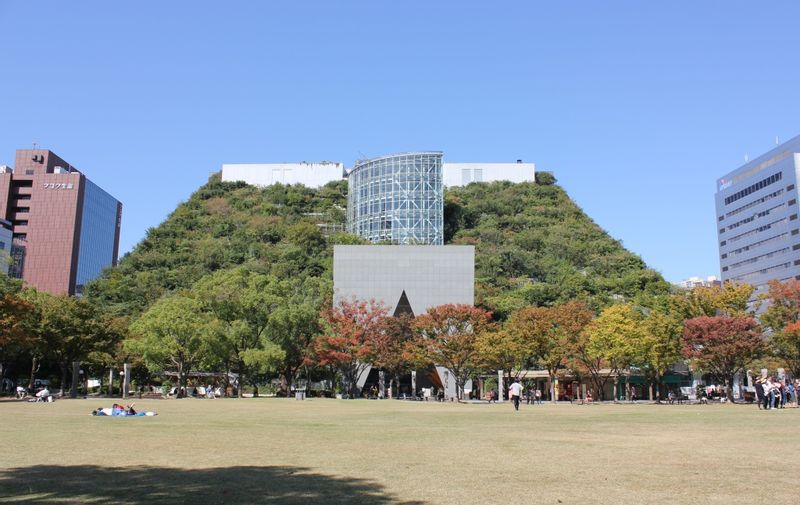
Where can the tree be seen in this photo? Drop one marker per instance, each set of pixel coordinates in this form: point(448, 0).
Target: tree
point(536, 327)
point(781, 321)
point(447, 335)
point(784, 305)
point(242, 301)
point(293, 328)
point(730, 299)
point(550, 334)
point(352, 326)
point(723, 346)
point(786, 346)
point(69, 329)
point(504, 349)
point(390, 344)
point(661, 345)
point(173, 332)
point(16, 335)
point(615, 341)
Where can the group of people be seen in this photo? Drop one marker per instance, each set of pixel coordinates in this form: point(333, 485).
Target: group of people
point(532, 395)
point(42, 395)
point(119, 410)
point(775, 394)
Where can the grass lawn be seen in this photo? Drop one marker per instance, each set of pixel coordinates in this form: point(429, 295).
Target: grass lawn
point(392, 452)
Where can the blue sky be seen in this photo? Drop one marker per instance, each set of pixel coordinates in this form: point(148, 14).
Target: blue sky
point(637, 107)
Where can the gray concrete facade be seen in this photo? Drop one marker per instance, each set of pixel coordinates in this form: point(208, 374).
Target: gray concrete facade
point(757, 219)
point(429, 275)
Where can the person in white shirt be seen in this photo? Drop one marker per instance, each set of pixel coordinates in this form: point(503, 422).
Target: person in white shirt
point(515, 391)
point(43, 395)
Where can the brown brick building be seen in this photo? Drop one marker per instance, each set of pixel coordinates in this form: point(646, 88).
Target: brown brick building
point(65, 228)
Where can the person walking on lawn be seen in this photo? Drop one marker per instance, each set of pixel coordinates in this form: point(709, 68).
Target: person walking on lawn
point(514, 391)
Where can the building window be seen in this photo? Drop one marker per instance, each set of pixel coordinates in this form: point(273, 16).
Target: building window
point(754, 187)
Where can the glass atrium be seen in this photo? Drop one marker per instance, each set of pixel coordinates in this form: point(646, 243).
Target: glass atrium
point(397, 199)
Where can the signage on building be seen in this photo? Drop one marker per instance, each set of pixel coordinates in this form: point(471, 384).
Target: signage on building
point(58, 185)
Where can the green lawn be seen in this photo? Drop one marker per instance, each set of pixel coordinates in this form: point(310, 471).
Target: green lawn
point(382, 452)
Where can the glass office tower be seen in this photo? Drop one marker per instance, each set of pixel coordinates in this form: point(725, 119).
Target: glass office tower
point(397, 199)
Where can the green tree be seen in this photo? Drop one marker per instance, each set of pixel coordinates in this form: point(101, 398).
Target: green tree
point(504, 349)
point(175, 332)
point(243, 301)
point(615, 340)
point(69, 329)
point(730, 299)
point(660, 345)
point(16, 332)
point(786, 346)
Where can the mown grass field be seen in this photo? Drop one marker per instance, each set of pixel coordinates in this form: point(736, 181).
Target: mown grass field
point(391, 452)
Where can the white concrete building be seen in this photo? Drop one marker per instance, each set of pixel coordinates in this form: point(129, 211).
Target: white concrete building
point(461, 174)
point(757, 219)
point(696, 282)
point(312, 175)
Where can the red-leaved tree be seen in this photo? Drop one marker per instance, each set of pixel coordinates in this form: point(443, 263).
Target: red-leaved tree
point(723, 346)
point(352, 328)
point(447, 335)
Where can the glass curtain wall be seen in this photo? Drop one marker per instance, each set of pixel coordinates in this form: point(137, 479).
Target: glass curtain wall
point(98, 234)
point(397, 199)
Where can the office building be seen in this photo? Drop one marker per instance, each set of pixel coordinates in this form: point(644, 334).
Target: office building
point(757, 219)
point(6, 236)
point(65, 227)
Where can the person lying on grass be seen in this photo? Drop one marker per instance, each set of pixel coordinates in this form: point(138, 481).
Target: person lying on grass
point(120, 410)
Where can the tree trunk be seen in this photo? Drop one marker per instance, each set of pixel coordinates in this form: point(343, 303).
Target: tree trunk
point(63, 367)
point(616, 384)
point(729, 389)
point(181, 380)
point(35, 364)
point(553, 398)
point(240, 367)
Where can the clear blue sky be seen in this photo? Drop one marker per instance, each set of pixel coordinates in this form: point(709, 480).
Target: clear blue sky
point(637, 107)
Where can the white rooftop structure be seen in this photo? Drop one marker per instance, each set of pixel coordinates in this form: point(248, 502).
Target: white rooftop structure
point(695, 282)
point(461, 174)
point(312, 175)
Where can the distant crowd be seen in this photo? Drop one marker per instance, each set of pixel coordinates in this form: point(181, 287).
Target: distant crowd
point(776, 394)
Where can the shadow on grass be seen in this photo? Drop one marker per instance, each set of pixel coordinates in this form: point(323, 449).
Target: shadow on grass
point(156, 485)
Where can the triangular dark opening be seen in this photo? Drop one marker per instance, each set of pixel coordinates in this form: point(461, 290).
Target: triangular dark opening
point(403, 307)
